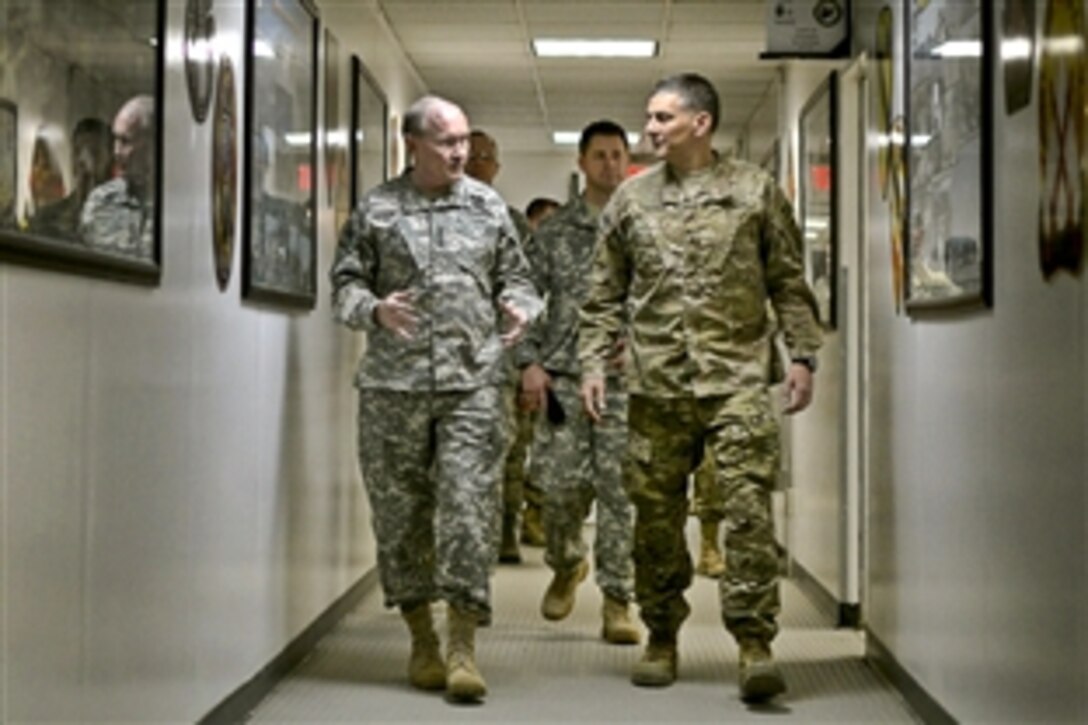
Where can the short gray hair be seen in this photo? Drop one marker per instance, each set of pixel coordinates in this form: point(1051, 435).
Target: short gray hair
point(696, 92)
point(417, 115)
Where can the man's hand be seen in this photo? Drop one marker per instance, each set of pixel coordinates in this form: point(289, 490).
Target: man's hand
point(798, 388)
point(592, 392)
point(518, 323)
point(535, 382)
point(397, 314)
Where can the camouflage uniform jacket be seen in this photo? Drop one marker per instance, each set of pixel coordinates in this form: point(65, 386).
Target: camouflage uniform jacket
point(689, 266)
point(458, 255)
point(114, 220)
point(560, 256)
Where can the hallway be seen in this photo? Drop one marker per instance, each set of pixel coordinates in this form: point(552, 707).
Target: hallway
point(538, 671)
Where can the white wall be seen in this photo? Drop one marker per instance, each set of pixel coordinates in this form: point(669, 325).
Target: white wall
point(178, 486)
point(815, 436)
point(979, 574)
point(527, 175)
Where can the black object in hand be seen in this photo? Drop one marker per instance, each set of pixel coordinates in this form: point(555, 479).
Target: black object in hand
point(556, 414)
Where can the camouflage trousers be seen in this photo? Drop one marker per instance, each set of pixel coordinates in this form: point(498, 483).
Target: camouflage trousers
point(516, 483)
point(706, 503)
point(576, 462)
point(430, 464)
point(668, 437)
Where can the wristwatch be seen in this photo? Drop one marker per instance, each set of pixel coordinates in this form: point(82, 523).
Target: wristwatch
point(809, 361)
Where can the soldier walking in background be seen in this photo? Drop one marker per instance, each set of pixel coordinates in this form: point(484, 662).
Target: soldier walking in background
point(575, 461)
point(427, 265)
point(690, 251)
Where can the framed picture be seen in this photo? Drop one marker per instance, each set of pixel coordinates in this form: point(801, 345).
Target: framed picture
point(947, 251)
point(80, 163)
point(369, 134)
point(279, 263)
point(818, 194)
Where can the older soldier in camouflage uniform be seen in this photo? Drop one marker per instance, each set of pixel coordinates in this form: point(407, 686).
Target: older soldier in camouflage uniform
point(574, 460)
point(483, 165)
point(689, 253)
point(119, 216)
point(425, 264)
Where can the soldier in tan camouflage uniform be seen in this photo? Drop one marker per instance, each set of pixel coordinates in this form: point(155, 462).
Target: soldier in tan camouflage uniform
point(119, 215)
point(575, 461)
point(689, 252)
point(483, 165)
point(427, 265)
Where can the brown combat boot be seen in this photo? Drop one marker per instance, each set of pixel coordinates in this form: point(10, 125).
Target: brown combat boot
point(532, 527)
point(711, 562)
point(657, 668)
point(559, 598)
point(426, 669)
point(464, 683)
point(760, 678)
point(617, 627)
point(509, 553)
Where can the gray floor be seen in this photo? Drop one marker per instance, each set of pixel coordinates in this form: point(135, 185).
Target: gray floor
point(543, 672)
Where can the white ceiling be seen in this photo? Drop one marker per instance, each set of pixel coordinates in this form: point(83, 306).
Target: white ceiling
point(477, 53)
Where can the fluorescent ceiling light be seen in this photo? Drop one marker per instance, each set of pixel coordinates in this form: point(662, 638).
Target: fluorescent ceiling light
point(593, 48)
point(571, 138)
point(959, 49)
point(297, 139)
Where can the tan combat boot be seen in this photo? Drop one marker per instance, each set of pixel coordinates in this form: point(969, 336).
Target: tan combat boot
point(426, 669)
point(464, 683)
point(657, 668)
point(509, 553)
point(711, 562)
point(559, 598)
point(532, 528)
point(760, 678)
point(617, 627)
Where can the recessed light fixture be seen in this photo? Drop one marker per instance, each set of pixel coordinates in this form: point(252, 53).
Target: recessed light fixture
point(571, 138)
point(593, 48)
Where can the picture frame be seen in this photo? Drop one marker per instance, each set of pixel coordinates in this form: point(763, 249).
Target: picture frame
point(279, 260)
point(818, 195)
point(369, 131)
point(949, 79)
point(86, 154)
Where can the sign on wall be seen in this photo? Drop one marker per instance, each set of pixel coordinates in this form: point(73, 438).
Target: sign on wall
point(808, 28)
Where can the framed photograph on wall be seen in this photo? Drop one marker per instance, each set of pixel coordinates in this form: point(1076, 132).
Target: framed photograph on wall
point(369, 133)
point(947, 254)
point(818, 194)
point(81, 138)
point(279, 261)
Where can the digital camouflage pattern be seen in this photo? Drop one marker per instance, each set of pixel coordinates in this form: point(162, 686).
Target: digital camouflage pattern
point(577, 460)
point(560, 258)
point(458, 254)
point(112, 220)
point(667, 438)
point(693, 263)
point(430, 463)
point(432, 436)
point(574, 463)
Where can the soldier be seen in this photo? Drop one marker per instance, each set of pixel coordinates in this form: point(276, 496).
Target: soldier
point(706, 508)
point(532, 524)
point(689, 252)
point(483, 165)
point(92, 161)
point(119, 215)
point(425, 265)
point(575, 461)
